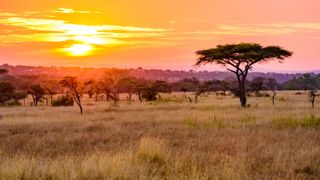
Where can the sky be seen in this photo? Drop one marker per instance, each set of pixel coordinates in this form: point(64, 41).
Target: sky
point(155, 34)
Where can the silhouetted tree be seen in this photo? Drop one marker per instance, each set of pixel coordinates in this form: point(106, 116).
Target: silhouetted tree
point(224, 86)
point(140, 87)
point(272, 84)
point(151, 90)
point(90, 89)
point(240, 58)
point(110, 89)
point(21, 95)
point(6, 92)
point(256, 85)
point(50, 92)
point(37, 92)
point(3, 71)
point(312, 97)
point(76, 89)
point(98, 90)
point(127, 85)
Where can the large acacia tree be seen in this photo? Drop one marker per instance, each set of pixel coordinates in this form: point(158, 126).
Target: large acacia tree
point(240, 58)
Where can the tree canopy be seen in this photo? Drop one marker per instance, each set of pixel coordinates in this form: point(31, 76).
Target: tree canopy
point(245, 54)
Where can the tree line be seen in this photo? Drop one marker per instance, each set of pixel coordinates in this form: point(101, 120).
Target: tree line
point(237, 58)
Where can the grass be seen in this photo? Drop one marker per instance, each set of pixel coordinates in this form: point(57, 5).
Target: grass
point(213, 139)
point(307, 121)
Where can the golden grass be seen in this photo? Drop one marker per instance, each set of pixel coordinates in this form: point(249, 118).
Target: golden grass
point(168, 139)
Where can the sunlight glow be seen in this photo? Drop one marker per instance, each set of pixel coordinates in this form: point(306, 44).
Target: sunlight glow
point(83, 38)
point(79, 50)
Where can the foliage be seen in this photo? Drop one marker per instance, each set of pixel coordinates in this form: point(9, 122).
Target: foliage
point(149, 94)
point(8, 95)
point(3, 71)
point(303, 82)
point(37, 92)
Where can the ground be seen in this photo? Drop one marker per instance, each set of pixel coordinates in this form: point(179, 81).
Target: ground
point(168, 139)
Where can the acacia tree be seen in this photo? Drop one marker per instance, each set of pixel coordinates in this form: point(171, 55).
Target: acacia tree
point(257, 84)
point(128, 85)
point(240, 58)
point(76, 89)
point(37, 92)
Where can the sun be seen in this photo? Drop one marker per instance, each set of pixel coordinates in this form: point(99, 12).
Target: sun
point(79, 49)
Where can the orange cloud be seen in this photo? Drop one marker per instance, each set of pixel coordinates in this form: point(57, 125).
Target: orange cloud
point(70, 10)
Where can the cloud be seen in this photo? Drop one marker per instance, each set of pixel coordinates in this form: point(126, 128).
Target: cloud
point(70, 11)
point(22, 29)
point(259, 29)
point(7, 14)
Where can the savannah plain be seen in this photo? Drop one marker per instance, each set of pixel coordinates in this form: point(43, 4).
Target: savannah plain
point(169, 138)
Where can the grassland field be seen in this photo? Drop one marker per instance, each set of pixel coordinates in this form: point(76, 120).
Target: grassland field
point(166, 139)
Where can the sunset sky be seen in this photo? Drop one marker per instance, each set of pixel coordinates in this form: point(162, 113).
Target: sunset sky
point(154, 34)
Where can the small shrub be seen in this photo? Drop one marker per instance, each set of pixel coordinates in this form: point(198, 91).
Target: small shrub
point(149, 94)
point(63, 101)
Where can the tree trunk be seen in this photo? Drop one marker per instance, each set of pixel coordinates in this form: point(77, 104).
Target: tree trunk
point(243, 100)
point(312, 102)
point(80, 106)
point(242, 92)
point(81, 110)
point(130, 97)
point(196, 98)
point(140, 98)
point(274, 98)
point(77, 99)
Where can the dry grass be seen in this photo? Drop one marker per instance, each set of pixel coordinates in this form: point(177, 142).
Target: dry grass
point(169, 139)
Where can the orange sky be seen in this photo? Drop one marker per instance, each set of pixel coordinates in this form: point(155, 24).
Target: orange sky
point(154, 34)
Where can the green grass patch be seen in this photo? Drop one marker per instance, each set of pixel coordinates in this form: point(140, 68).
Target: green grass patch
point(285, 122)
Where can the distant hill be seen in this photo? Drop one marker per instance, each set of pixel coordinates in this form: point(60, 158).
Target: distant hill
point(316, 71)
point(148, 74)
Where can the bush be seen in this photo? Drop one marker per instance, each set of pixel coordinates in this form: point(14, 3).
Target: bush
point(149, 94)
point(63, 101)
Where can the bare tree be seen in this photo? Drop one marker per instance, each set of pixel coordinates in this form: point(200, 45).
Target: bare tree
point(75, 88)
point(312, 97)
point(273, 97)
point(272, 84)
